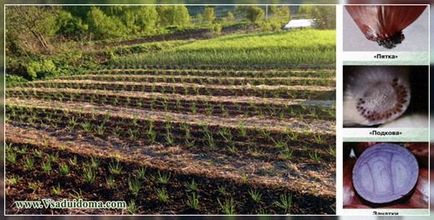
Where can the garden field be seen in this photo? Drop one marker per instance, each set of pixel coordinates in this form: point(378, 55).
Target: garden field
point(307, 48)
point(236, 124)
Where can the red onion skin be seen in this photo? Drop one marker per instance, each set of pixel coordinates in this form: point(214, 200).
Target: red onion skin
point(418, 198)
point(419, 150)
point(360, 147)
point(380, 23)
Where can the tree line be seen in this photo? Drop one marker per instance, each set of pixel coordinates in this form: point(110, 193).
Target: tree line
point(33, 27)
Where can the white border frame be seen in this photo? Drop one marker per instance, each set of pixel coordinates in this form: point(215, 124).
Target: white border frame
point(128, 215)
point(339, 134)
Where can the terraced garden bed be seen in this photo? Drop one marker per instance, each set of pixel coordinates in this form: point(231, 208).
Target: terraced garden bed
point(170, 138)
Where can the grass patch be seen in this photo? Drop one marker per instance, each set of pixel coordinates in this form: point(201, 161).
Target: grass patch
point(294, 48)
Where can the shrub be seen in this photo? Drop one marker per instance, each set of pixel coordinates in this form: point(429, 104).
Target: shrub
point(103, 26)
point(216, 29)
point(230, 18)
point(208, 15)
point(173, 16)
point(254, 14)
point(70, 26)
point(14, 79)
point(41, 69)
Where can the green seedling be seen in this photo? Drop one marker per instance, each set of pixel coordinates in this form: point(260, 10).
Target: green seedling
point(115, 168)
point(315, 156)
point(285, 202)
point(73, 161)
point(228, 206)
point(11, 157)
point(56, 190)
point(255, 195)
point(89, 175)
point(134, 185)
point(162, 195)
point(64, 169)
point(34, 186)
point(163, 178)
point(46, 166)
point(110, 182)
point(191, 186)
point(193, 201)
point(29, 164)
point(132, 208)
point(141, 172)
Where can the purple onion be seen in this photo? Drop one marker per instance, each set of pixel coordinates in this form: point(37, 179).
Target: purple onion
point(384, 173)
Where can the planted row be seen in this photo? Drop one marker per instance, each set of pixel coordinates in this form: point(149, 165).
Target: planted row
point(323, 73)
point(263, 142)
point(299, 92)
point(207, 80)
point(177, 104)
point(146, 189)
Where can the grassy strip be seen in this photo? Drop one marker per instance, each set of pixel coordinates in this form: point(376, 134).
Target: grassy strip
point(283, 49)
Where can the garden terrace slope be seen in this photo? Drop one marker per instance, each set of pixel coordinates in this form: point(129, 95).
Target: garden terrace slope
point(253, 73)
point(207, 80)
point(315, 48)
point(311, 186)
point(291, 92)
point(210, 105)
point(307, 130)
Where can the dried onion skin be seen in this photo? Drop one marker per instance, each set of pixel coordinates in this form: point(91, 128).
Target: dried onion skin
point(384, 24)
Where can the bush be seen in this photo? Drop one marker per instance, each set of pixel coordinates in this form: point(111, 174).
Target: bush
point(41, 69)
point(230, 18)
point(173, 16)
point(141, 19)
point(70, 26)
point(217, 29)
point(12, 80)
point(254, 14)
point(103, 26)
point(208, 15)
point(325, 16)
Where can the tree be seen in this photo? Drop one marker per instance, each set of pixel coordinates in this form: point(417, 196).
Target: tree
point(173, 15)
point(31, 28)
point(102, 26)
point(208, 15)
point(304, 10)
point(280, 15)
point(230, 17)
point(254, 14)
point(325, 16)
point(181, 16)
point(70, 26)
point(281, 12)
point(140, 19)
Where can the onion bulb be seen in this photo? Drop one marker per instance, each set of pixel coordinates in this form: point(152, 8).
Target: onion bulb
point(375, 95)
point(384, 23)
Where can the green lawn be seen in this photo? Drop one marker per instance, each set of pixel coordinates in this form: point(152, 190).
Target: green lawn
point(313, 48)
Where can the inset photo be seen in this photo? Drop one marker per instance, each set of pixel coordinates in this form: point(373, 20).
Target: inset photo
point(385, 28)
point(385, 175)
point(385, 96)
